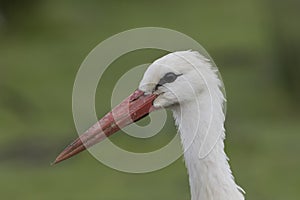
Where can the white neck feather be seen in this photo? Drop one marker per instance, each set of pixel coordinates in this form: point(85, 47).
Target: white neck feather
point(210, 176)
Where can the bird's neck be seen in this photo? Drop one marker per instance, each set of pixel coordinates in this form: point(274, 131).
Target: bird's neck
point(201, 126)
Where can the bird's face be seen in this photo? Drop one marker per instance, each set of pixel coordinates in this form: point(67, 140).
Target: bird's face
point(174, 79)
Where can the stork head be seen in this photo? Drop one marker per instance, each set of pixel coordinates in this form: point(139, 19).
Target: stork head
point(172, 80)
point(177, 78)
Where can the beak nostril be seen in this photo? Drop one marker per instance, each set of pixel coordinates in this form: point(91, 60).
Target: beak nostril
point(137, 94)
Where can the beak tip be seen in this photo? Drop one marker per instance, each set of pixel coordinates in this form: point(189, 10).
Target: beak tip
point(57, 160)
point(52, 163)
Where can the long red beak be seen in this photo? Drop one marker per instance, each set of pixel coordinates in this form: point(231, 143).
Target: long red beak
point(133, 108)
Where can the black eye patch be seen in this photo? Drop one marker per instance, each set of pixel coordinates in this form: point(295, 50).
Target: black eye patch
point(167, 78)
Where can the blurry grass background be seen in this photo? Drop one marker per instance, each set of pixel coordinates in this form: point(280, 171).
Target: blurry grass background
point(42, 44)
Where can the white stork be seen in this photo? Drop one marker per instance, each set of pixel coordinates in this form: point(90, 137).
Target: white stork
point(187, 83)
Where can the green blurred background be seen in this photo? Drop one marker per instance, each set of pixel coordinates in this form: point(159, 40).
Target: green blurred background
point(42, 44)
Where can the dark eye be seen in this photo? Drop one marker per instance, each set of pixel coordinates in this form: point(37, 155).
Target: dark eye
point(169, 77)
